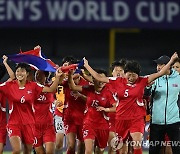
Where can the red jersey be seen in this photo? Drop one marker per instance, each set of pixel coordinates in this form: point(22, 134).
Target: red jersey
point(22, 99)
point(2, 109)
point(112, 115)
point(97, 119)
point(42, 106)
point(130, 97)
point(76, 106)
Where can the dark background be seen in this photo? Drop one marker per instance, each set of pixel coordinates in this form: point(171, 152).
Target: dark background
point(143, 46)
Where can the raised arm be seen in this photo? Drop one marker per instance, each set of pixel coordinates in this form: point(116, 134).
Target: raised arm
point(86, 77)
point(58, 79)
point(71, 83)
point(8, 68)
point(163, 71)
point(94, 73)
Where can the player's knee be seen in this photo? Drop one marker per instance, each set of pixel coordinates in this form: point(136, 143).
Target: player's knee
point(16, 151)
point(59, 146)
point(50, 152)
point(88, 151)
point(71, 147)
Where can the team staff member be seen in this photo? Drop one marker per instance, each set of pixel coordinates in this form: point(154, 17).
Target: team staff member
point(130, 111)
point(165, 110)
point(22, 94)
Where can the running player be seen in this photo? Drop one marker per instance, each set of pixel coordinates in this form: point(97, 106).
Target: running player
point(74, 115)
point(62, 111)
point(44, 128)
point(117, 69)
point(3, 120)
point(96, 125)
point(22, 93)
point(58, 119)
point(130, 111)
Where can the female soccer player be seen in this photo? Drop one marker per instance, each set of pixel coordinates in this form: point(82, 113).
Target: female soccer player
point(96, 125)
point(44, 127)
point(176, 65)
point(130, 111)
point(22, 94)
point(3, 120)
point(73, 112)
point(117, 68)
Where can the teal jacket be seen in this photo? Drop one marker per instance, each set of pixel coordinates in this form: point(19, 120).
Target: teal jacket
point(165, 109)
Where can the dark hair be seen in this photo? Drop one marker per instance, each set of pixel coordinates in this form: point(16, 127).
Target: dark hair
point(2, 71)
point(69, 59)
point(46, 73)
point(176, 60)
point(120, 63)
point(25, 66)
point(132, 66)
point(101, 71)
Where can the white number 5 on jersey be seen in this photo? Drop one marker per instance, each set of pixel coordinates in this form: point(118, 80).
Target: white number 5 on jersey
point(126, 93)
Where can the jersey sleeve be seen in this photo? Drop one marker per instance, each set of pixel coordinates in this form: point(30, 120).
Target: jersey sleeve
point(38, 89)
point(144, 81)
point(4, 88)
point(114, 80)
point(3, 102)
point(112, 98)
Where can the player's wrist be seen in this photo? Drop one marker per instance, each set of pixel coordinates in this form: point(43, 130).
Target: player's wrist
point(107, 109)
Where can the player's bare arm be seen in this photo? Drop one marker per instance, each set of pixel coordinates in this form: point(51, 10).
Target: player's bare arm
point(8, 68)
point(94, 73)
point(163, 71)
point(79, 95)
point(86, 77)
point(59, 77)
point(71, 83)
point(111, 109)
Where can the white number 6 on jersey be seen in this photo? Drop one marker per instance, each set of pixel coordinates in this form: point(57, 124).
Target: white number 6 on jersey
point(126, 93)
point(22, 99)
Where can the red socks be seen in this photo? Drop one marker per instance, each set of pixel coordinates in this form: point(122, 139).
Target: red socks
point(138, 151)
point(70, 151)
